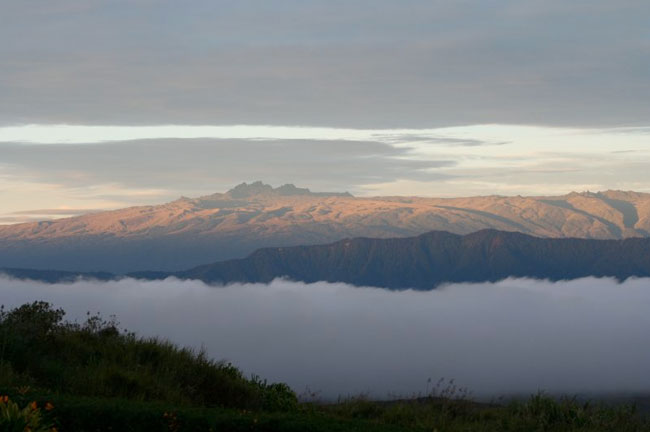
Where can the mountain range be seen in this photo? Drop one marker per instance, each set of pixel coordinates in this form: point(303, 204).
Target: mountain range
point(191, 231)
point(422, 262)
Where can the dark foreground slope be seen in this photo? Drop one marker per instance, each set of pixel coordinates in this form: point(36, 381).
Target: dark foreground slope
point(425, 261)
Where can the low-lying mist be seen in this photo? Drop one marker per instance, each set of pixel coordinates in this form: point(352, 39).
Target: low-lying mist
point(515, 336)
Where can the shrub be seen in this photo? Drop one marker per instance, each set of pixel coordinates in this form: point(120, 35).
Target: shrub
point(16, 419)
point(96, 358)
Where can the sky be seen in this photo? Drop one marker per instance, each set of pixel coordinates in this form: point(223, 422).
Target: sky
point(587, 336)
point(105, 104)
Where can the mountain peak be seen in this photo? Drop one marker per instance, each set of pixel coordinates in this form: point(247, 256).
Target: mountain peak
point(245, 190)
point(258, 188)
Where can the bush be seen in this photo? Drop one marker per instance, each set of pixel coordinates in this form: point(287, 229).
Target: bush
point(96, 358)
point(16, 419)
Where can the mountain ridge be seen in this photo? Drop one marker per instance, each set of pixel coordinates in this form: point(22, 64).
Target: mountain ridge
point(422, 262)
point(434, 258)
point(191, 231)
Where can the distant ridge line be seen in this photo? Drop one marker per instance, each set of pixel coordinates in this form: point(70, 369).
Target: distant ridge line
point(423, 262)
point(191, 231)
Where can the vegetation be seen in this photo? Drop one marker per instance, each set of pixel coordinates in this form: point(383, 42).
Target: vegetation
point(62, 376)
point(15, 418)
point(39, 349)
point(537, 414)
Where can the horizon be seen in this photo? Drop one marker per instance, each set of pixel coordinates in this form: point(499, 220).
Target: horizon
point(46, 215)
point(70, 166)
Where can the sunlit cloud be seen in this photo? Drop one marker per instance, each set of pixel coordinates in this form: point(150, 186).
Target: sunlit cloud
point(88, 134)
point(461, 136)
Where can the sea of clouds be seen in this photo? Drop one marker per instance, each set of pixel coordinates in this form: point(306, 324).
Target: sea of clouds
point(515, 336)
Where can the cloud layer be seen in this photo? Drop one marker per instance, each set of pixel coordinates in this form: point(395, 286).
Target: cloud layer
point(361, 63)
point(514, 336)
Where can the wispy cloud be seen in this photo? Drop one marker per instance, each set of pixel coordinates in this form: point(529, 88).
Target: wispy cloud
point(58, 211)
point(90, 134)
point(148, 171)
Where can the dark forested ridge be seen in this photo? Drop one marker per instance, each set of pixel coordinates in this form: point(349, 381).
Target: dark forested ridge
point(425, 261)
point(421, 262)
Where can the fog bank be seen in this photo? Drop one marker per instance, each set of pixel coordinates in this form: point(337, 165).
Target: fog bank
point(587, 335)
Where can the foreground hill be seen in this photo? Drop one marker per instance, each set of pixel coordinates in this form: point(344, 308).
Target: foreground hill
point(421, 262)
point(189, 232)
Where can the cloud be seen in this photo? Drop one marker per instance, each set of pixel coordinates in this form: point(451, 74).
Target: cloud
point(14, 219)
point(90, 134)
point(54, 212)
point(587, 336)
point(364, 63)
point(42, 215)
point(176, 166)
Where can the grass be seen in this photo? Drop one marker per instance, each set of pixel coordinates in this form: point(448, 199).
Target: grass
point(95, 377)
point(86, 414)
point(539, 413)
